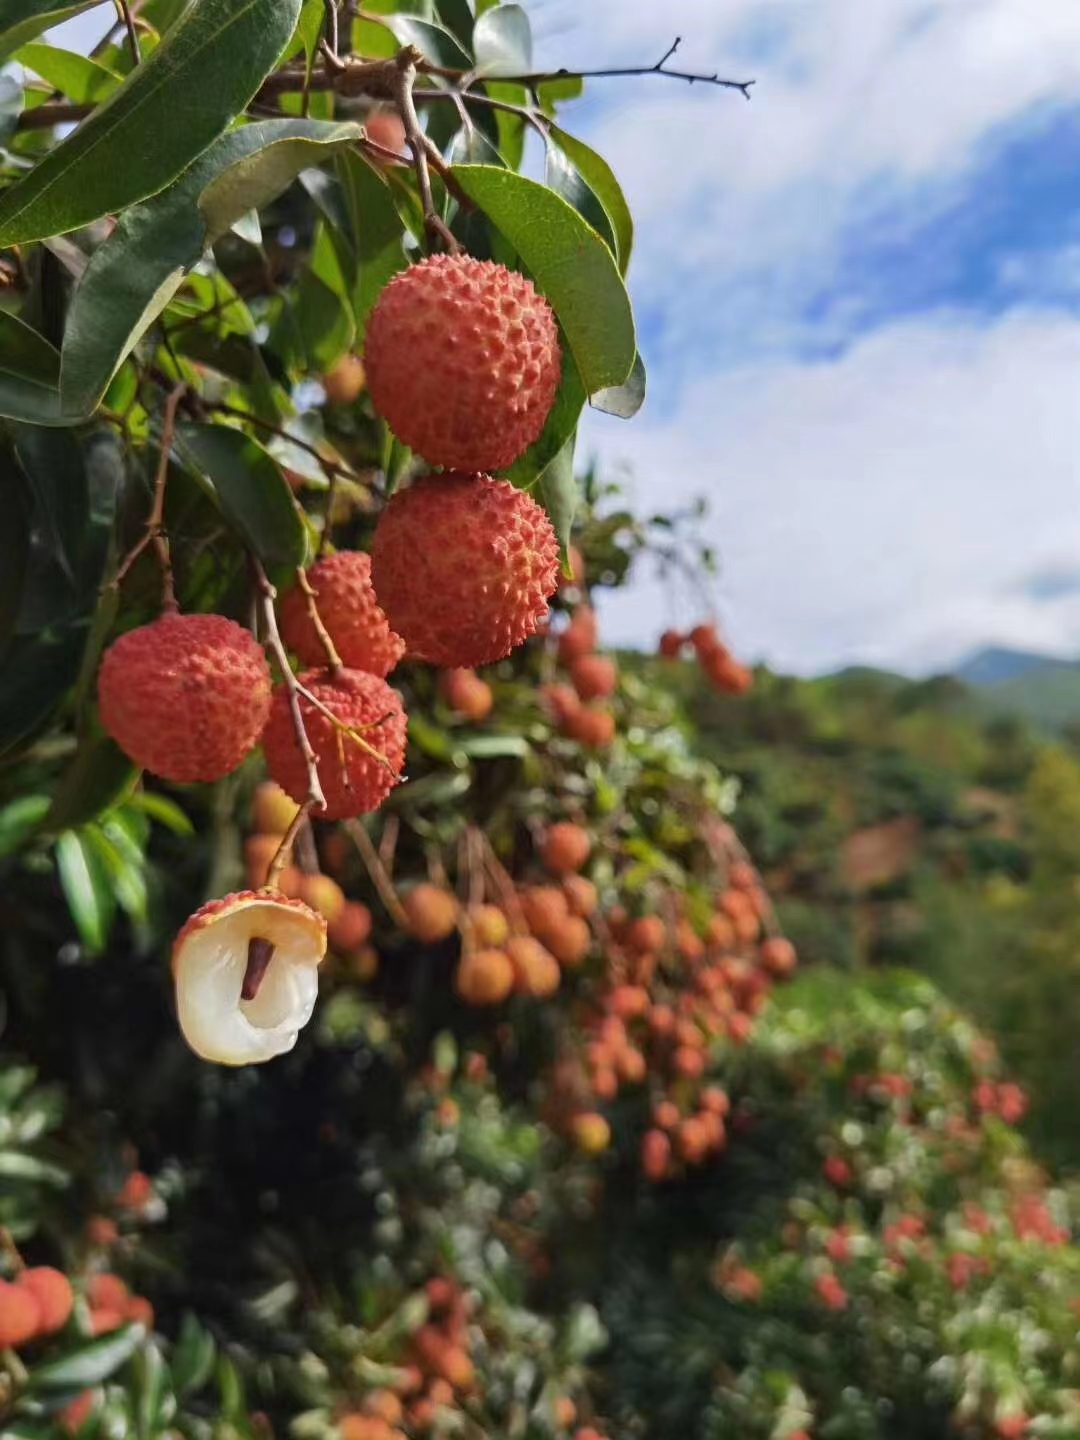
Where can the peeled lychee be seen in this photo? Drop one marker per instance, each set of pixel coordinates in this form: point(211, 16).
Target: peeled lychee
point(246, 975)
point(350, 614)
point(463, 361)
point(368, 717)
point(464, 567)
point(185, 697)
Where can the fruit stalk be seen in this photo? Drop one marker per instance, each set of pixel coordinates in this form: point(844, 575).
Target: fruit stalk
point(154, 535)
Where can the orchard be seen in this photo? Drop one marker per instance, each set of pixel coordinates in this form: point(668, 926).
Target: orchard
point(396, 1039)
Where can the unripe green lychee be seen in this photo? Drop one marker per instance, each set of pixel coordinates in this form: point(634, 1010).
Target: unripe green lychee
point(464, 567)
point(463, 361)
point(350, 613)
point(185, 697)
point(368, 717)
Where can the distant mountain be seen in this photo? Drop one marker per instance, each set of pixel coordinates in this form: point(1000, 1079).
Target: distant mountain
point(998, 664)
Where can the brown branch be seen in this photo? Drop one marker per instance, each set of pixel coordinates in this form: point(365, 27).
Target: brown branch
point(154, 535)
point(283, 854)
point(272, 637)
point(375, 869)
point(424, 153)
point(331, 468)
point(124, 9)
point(631, 71)
point(332, 657)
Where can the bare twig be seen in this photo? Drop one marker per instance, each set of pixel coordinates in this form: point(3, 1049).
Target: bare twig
point(124, 9)
point(333, 659)
point(379, 877)
point(316, 799)
point(283, 854)
point(628, 71)
point(154, 535)
point(424, 153)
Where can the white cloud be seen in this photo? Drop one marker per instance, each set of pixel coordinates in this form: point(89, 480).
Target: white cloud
point(886, 506)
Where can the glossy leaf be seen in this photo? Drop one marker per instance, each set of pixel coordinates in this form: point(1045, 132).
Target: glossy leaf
point(137, 271)
point(560, 427)
point(557, 491)
point(19, 820)
point(570, 264)
point(86, 890)
point(53, 465)
point(77, 76)
point(29, 374)
point(124, 870)
point(502, 42)
point(98, 776)
point(600, 178)
point(566, 180)
point(36, 673)
point(375, 233)
point(623, 401)
point(21, 20)
point(458, 18)
point(192, 1356)
point(433, 41)
point(247, 483)
point(197, 81)
point(11, 106)
point(89, 1365)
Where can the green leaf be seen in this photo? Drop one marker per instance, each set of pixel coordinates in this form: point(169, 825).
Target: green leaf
point(566, 180)
point(96, 779)
point(375, 232)
point(248, 484)
point(557, 491)
point(559, 428)
point(53, 465)
point(623, 400)
point(494, 747)
point(434, 42)
point(86, 889)
point(37, 672)
point(19, 820)
point(90, 1365)
point(11, 106)
point(197, 81)
point(600, 178)
point(571, 265)
point(555, 92)
point(510, 128)
point(14, 546)
point(77, 76)
point(155, 1402)
point(29, 374)
point(21, 20)
point(456, 16)
point(192, 1357)
point(123, 863)
point(502, 42)
point(136, 272)
point(309, 28)
point(14, 1165)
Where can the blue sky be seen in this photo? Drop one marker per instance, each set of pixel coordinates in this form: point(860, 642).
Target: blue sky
point(859, 299)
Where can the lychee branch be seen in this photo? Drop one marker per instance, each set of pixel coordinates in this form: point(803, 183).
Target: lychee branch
point(333, 659)
point(154, 535)
point(377, 871)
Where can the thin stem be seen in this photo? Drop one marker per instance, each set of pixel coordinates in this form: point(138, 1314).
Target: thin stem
point(627, 71)
point(315, 796)
point(154, 535)
point(379, 877)
point(124, 10)
point(333, 659)
point(283, 854)
point(421, 147)
point(330, 467)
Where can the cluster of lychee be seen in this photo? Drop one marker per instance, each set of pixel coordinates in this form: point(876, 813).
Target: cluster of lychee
point(579, 705)
point(38, 1304)
point(463, 362)
point(719, 666)
point(671, 990)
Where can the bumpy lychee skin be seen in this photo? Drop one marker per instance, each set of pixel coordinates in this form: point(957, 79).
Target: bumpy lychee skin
point(464, 567)
point(463, 361)
point(354, 780)
point(185, 697)
point(350, 613)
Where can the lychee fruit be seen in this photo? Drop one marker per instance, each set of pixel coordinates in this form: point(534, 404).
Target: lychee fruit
point(580, 636)
point(580, 895)
point(561, 700)
point(490, 927)
point(350, 928)
point(52, 1291)
point(778, 956)
point(591, 1133)
point(350, 613)
point(463, 361)
point(706, 640)
point(545, 907)
point(345, 382)
point(140, 1311)
point(566, 847)
point(245, 970)
point(20, 1315)
point(386, 128)
point(466, 694)
point(323, 895)
point(536, 970)
point(570, 941)
point(655, 1154)
point(272, 811)
point(484, 977)
point(360, 752)
point(595, 676)
point(671, 644)
point(464, 566)
point(647, 932)
point(185, 697)
point(108, 1292)
point(591, 726)
point(431, 911)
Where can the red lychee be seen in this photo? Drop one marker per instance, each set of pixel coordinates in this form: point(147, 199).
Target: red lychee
point(466, 694)
point(671, 644)
point(365, 709)
point(580, 636)
point(20, 1315)
point(185, 697)
point(464, 567)
point(52, 1291)
point(350, 929)
point(387, 129)
point(591, 726)
point(350, 613)
point(536, 970)
point(566, 847)
point(463, 361)
point(595, 676)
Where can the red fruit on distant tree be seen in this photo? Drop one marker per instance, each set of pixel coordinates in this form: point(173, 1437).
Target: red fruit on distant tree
point(464, 567)
point(185, 697)
point(20, 1315)
point(484, 977)
point(466, 694)
point(591, 726)
point(360, 753)
point(566, 847)
point(580, 636)
point(350, 613)
point(387, 129)
point(490, 330)
point(431, 912)
point(671, 644)
point(52, 1291)
point(595, 676)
